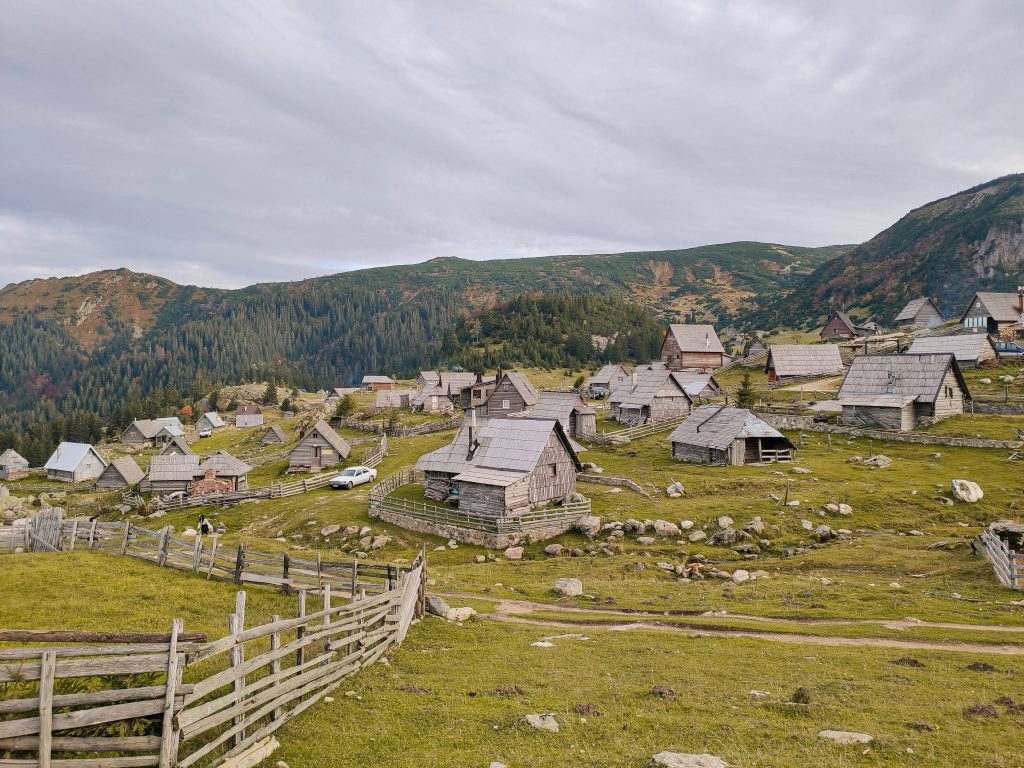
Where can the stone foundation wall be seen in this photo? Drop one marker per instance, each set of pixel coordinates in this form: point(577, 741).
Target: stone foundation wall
point(471, 535)
point(807, 424)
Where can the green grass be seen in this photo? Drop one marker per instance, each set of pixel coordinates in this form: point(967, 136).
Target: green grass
point(991, 426)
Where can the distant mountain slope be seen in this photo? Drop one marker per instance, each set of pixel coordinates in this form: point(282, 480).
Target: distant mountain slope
point(948, 249)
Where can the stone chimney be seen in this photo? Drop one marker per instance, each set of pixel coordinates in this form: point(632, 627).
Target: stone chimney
point(210, 474)
point(1020, 299)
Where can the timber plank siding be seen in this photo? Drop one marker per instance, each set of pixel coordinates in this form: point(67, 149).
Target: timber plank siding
point(318, 449)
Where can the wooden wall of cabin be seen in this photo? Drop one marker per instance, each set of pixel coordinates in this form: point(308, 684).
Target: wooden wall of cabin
point(504, 399)
point(886, 417)
point(437, 486)
point(669, 407)
point(584, 426)
point(555, 474)
point(302, 454)
point(697, 454)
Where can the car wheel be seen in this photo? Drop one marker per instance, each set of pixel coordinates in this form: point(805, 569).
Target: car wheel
point(348, 487)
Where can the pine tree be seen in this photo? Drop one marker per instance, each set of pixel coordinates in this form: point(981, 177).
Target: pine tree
point(345, 407)
point(745, 395)
point(270, 394)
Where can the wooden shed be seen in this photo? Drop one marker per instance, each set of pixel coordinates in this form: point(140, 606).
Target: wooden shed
point(655, 396)
point(377, 383)
point(13, 466)
point(839, 327)
point(609, 378)
point(274, 434)
point(902, 392)
point(226, 467)
point(692, 346)
point(178, 446)
point(919, 313)
point(170, 473)
point(153, 431)
point(122, 472)
point(577, 418)
point(248, 415)
point(502, 467)
point(74, 463)
point(319, 447)
point(210, 420)
point(792, 362)
point(969, 349)
point(721, 435)
point(697, 384)
point(386, 399)
point(513, 393)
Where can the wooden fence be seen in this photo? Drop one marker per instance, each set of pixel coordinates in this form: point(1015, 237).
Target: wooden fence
point(176, 700)
point(629, 434)
point(381, 500)
point(1008, 565)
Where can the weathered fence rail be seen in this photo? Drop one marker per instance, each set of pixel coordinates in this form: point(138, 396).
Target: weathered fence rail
point(629, 434)
point(184, 701)
point(1007, 564)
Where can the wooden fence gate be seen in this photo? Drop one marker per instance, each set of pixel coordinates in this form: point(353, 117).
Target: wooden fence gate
point(46, 534)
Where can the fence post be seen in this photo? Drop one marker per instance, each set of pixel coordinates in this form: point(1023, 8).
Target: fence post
point(197, 553)
point(421, 601)
point(169, 733)
point(74, 534)
point(213, 555)
point(239, 563)
point(300, 633)
point(161, 555)
point(325, 591)
point(47, 673)
point(92, 533)
point(236, 624)
point(124, 539)
point(285, 562)
point(275, 665)
point(355, 579)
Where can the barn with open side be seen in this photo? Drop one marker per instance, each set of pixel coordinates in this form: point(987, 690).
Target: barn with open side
point(721, 435)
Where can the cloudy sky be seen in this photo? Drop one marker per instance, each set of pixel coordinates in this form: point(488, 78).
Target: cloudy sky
point(230, 143)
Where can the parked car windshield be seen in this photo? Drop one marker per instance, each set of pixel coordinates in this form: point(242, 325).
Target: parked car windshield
point(350, 473)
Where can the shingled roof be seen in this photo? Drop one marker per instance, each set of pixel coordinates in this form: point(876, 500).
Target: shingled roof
point(68, 456)
point(1002, 307)
point(696, 338)
point(967, 348)
point(150, 428)
point(648, 384)
point(177, 442)
point(336, 441)
point(694, 383)
point(173, 468)
point(225, 465)
point(523, 386)
point(559, 405)
point(804, 360)
point(919, 376)
point(606, 374)
point(129, 471)
point(715, 426)
point(914, 306)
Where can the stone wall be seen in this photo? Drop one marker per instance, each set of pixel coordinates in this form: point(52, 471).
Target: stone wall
point(807, 424)
point(1002, 409)
point(471, 535)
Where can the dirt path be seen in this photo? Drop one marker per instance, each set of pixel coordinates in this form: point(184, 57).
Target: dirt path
point(513, 611)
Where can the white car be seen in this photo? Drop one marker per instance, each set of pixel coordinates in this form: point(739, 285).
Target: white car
point(206, 432)
point(352, 477)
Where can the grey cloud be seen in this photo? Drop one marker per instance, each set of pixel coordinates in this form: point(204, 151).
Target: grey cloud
point(229, 143)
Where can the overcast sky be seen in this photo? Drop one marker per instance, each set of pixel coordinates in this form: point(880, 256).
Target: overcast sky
point(229, 143)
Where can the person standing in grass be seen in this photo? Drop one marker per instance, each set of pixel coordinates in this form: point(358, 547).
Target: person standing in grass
point(204, 526)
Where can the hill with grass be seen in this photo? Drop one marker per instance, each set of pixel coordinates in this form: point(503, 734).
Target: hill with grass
point(948, 249)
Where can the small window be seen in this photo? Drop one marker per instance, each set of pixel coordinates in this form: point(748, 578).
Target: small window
point(552, 470)
point(505, 405)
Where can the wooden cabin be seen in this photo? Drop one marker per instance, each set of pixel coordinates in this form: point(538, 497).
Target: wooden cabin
point(13, 466)
point(428, 377)
point(386, 399)
point(476, 394)
point(697, 384)
point(178, 446)
point(998, 314)
point(170, 473)
point(969, 349)
point(655, 396)
point(210, 420)
point(839, 327)
point(692, 346)
point(319, 447)
point(74, 463)
point(274, 434)
point(513, 393)
point(227, 468)
point(724, 436)
point(502, 467)
point(609, 378)
point(377, 383)
point(120, 473)
point(248, 416)
point(919, 313)
point(793, 362)
point(153, 431)
point(902, 392)
point(339, 392)
point(577, 418)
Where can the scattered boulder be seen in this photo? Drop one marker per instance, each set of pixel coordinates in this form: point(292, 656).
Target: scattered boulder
point(589, 525)
point(755, 527)
point(365, 530)
point(545, 722)
point(697, 536)
point(724, 521)
point(460, 614)
point(881, 461)
point(800, 471)
point(438, 607)
point(329, 530)
point(740, 575)
point(379, 542)
point(568, 587)
point(553, 550)
point(966, 491)
point(189, 532)
point(687, 760)
point(675, 488)
point(728, 537)
point(663, 692)
point(824, 533)
point(985, 380)
point(634, 526)
point(845, 737)
point(514, 553)
point(645, 541)
point(665, 528)
point(685, 525)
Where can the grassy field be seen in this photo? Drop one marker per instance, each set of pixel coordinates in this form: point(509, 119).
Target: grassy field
point(831, 618)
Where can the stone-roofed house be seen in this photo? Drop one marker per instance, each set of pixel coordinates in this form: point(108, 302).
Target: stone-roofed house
point(248, 415)
point(122, 472)
point(74, 463)
point(609, 378)
point(13, 466)
point(692, 346)
point(210, 420)
point(513, 393)
point(798, 361)
point(274, 434)
point(228, 468)
point(319, 447)
point(919, 313)
point(902, 392)
point(179, 446)
point(997, 314)
point(969, 349)
point(501, 468)
point(153, 431)
point(721, 435)
point(577, 418)
point(655, 396)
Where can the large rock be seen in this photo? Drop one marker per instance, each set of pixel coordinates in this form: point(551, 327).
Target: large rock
point(568, 587)
point(965, 490)
point(514, 553)
point(553, 550)
point(881, 460)
point(665, 528)
point(590, 525)
point(697, 536)
point(634, 526)
point(685, 760)
point(728, 537)
point(328, 530)
point(460, 614)
point(379, 542)
point(845, 737)
point(438, 607)
point(686, 524)
point(544, 722)
point(724, 521)
point(824, 533)
point(755, 526)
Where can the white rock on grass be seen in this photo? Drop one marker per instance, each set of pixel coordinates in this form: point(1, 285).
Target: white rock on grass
point(568, 587)
point(460, 614)
point(438, 607)
point(966, 491)
point(685, 760)
point(545, 722)
point(553, 550)
point(740, 575)
point(686, 525)
point(724, 521)
point(514, 553)
point(845, 737)
point(589, 525)
point(697, 536)
point(665, 528)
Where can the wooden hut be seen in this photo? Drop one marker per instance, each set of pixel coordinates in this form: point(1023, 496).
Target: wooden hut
point(319, 447)
point(74, 463)
point(210, 420)
point(228, 468)
point(577, 418)
point(178, 446)
point(839, 327)
point(386, 399)
point(274, 434)
point(13, 466)
point(502, 467)
point(170, 473)
point(721, 435)
point(428, 377)
point(153, 431)
point(377, 383)
point(792, 362)
point(609, 378)
point(512, 394)
point(697, 384)
point(997, 314)
point(692, 346)
point(969, 349)
point(919, 313)
point(476, 394)
point(248, 415)
point(902, 392)
point(339, 392)
point(122, 472)
point(655, 396)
